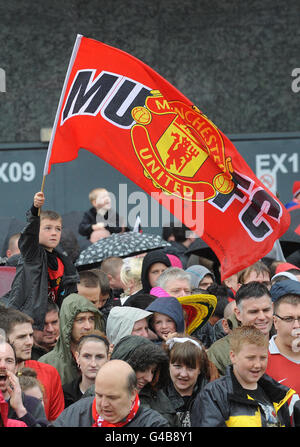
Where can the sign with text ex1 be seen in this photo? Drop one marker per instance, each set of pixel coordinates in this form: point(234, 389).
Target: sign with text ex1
point(270, 166)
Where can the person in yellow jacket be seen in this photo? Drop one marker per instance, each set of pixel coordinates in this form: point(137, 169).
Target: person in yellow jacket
point(245, 396)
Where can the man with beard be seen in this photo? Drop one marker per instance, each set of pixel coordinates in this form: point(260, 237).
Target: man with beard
point(44, 341)
point(77, 317)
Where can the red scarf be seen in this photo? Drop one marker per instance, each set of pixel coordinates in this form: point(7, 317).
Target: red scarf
point(100, 422)
point(54, 279)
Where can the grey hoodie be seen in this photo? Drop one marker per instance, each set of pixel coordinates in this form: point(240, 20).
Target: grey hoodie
point(197, 273)
point(121, 320)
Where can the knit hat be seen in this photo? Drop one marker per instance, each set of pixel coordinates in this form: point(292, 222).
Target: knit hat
point(296, 188)
point(139, 300)
point(285, 287)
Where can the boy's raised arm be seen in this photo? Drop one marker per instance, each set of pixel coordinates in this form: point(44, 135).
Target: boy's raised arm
point(39, 199)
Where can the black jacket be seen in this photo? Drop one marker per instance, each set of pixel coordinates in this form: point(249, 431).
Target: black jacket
point(183, 405)
point(222, 403)
point(90, 218)
point(160, 402)
point(72, 392)
point(80, 415)
point(151, 258)
point(29, 290)
point(37, 352)
point(35, 416)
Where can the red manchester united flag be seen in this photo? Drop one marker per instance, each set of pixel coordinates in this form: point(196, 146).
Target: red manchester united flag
point(117, 107)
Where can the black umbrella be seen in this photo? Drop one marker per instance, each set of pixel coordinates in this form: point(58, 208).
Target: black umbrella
point(290, 240)
point(119, 245)
point(200, 248)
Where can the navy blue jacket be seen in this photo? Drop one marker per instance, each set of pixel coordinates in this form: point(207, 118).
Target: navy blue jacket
point(168, 306)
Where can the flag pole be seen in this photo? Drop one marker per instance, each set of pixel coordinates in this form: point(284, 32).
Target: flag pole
point(73, 57)
point(46, 165)
point(42, 189)
point(43, 183)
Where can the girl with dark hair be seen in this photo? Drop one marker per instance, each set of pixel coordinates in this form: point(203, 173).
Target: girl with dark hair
point(91, 354)
point(189, 369)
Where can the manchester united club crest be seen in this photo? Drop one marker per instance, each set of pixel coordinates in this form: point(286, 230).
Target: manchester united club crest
point(180, 149)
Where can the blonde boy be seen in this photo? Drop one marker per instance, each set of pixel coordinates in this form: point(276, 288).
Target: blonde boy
point(100, 215)
point(245, 396)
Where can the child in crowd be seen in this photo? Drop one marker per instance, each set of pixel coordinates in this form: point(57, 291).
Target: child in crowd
point(30, 385)
point(190, 370)
point(244, 396)
point(167, 318)
point(43, 273)
point(130, 276)
point(100, 215)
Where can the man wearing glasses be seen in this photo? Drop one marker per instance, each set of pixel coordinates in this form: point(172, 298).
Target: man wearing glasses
point(284, 346)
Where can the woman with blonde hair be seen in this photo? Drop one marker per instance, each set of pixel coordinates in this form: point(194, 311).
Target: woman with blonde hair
point(130, 276)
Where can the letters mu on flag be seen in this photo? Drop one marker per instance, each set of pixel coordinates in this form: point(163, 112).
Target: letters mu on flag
point(118, 108)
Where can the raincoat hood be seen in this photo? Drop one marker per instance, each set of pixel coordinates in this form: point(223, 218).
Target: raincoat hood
point(284, 287)
point(197, 273)
point(127, 345)
point(71, 307)
point(151, 258)
point(121, 320)
point(61, 356)
point(169, 306)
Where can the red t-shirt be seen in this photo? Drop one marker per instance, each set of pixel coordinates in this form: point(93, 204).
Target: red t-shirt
point(54, 396)
point(284, 370)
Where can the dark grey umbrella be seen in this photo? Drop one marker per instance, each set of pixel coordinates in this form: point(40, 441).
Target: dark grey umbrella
point(200, 248)
point(119, 245)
